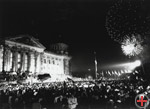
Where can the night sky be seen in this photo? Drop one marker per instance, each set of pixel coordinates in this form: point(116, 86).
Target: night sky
point(78, 23)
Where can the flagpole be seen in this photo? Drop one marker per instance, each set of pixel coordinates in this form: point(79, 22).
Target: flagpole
point(95, 65)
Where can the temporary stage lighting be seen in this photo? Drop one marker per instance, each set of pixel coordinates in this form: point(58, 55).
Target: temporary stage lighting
point(137, 63)
point(133, 65)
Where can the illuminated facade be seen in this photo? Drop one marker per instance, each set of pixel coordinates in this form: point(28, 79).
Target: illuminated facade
point(26, 54)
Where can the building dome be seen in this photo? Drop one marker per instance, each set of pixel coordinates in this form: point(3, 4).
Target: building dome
point(59, 48)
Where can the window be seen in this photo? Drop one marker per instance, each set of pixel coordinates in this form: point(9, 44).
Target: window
point(53, 61)
point(44, 60)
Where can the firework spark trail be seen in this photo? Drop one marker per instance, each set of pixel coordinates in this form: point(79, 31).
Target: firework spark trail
point(124, 18)
point(132, 46)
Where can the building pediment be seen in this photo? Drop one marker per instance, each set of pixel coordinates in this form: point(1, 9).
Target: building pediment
point(27, 40)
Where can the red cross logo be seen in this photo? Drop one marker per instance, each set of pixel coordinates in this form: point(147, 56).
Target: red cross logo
point(143, 100)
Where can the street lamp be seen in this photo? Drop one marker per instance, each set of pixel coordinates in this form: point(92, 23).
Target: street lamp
point(95, 65)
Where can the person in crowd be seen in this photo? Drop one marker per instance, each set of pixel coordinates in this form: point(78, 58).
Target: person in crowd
point(36, 104)
point(72, 95)
point(72, 102)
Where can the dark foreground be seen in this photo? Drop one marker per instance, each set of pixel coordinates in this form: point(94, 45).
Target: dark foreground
point(88, 95)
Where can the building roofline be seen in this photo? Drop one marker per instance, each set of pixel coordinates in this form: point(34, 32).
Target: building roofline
point(46, 51)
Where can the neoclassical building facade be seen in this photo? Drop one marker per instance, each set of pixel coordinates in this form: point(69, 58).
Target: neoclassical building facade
point(25, 53)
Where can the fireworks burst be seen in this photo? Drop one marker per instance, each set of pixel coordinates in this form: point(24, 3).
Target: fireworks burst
point(126, 17)
point(132, 46)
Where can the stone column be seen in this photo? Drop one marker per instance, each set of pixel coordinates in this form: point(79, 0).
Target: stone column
point(3, 63)
point(29, 61)
point(13, 60)
point(1, 57)
point(23, 62)
point(9, 60)
point(32, 66)
point(41, 62)
point(16, 60)
point(64, 65)
point(36, 61)
point(6, 59)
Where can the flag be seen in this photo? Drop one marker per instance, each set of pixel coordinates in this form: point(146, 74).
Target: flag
point(106, 72)
point(109, 73)
point(125, 71)
point(95, 58)
point(116, 73)
point(112, 72)
point(122, 71)
point(102, 73)
point(95, 61)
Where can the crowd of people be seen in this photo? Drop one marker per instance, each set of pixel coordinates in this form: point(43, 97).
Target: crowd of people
point(73, 95)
